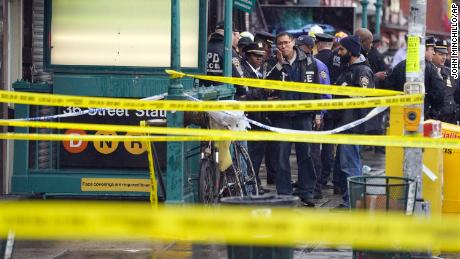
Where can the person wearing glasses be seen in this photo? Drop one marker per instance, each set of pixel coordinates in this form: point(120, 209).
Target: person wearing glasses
point(293, 65)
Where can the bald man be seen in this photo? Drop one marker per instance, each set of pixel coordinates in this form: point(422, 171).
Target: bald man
point(366, 39)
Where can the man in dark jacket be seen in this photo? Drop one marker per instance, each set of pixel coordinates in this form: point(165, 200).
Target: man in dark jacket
point(358, 74)
point(215, 55)
point(448, 110)
point(292, 64)
point(324, 44)
point(434, 96)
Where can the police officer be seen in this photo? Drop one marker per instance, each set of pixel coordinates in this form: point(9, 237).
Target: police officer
point(271, 154)
point(254, 56)
point(450, 84)
point(329, 57)
point(292, 64)
point(306, 43)
point(434, 96)
point(215, 54)
point(267, 40)
point(324, 43)
point(358, 74)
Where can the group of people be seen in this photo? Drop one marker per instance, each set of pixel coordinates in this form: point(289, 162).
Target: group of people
point(319, 59)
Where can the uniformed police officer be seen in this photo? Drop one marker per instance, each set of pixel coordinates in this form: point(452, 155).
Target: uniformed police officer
point(358, 74)
point(215, 55)
point(450, 85)
point(434, 96)
point(251, 64)
point(271, 154)
point(324, 44)
point(306, 43)
point(292, 64)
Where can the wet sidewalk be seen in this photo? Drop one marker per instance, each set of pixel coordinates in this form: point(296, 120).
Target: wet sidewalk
point(147, 249)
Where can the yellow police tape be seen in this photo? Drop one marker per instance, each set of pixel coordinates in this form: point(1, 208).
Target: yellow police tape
point(181, 105)
point(235, 225)
point(291, 86)
point(193, 134)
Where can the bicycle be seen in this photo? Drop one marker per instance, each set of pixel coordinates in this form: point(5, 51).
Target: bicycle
point(237, 181)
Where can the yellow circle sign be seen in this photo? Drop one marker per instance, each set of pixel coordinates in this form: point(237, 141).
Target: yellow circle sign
point(105, 147)
point(135, 147)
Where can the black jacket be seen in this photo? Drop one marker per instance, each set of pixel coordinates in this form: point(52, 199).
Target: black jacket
point(450, 89)
point(215, 58)
point(376, 60)
point(332, 61)
point(307, 72)
point(358, 74)
point(255, 94)
point(434, 96)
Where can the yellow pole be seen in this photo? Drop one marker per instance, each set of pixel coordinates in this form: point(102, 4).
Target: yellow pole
point(153, 181)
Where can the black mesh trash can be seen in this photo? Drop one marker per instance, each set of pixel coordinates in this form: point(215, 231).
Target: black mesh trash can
point(261, 252)
point(382, 193)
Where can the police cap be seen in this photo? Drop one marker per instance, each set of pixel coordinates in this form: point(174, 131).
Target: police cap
point(441, 46)
point(264, 37)
point(305, 40)
point(254, 48)
point(244, 41)
point(324, 37)
point(430, 41)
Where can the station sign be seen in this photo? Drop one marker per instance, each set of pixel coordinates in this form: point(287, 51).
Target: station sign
point(108, 154)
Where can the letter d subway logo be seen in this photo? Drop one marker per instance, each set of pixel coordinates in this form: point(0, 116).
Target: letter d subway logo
point(75, 146)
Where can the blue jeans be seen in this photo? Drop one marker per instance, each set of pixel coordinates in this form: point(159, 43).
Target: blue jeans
point(306, 170)
point(348, 163)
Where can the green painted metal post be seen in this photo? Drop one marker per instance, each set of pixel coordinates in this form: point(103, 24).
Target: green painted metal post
point(228, 37)
point(175, 176)
point(378, 20)
point(364, 4)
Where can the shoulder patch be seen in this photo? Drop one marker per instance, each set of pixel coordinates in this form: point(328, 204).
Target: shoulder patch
point(364, 81)
point(323, 75)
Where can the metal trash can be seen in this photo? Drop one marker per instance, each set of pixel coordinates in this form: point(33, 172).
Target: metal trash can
point(382, 193)
point(261, 252)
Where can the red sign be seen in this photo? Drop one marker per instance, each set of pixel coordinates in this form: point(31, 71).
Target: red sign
point(75, 146)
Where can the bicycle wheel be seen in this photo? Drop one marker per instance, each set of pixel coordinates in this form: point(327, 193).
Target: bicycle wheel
point(244, 169)
point(230, 185)
point(208, 193)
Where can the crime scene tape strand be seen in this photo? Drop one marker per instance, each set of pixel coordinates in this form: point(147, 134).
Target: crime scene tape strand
point(235, 225)
point(291, 86)
point(193, 134)
point(182, 105)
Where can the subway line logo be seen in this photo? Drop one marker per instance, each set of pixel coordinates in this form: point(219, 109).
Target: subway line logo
point(103, 147)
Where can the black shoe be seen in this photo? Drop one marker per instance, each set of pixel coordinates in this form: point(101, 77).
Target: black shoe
point(263, 190)
point(318, 195)
point(342, 206)
point(307, 202)
point(295, 185)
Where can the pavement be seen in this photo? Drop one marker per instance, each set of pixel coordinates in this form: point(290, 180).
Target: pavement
point(37, 249)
